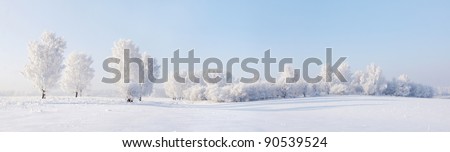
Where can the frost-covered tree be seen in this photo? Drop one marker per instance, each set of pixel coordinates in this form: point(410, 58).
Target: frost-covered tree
point(314, 89)
point(372, 81)
point(214, 91)
point(146, 86)
point(290, 88)
point(303, 87)
point(195, 91)
point(45, 64)
point(190, 90)
point(342, 88)
point(173, 88)
point(323, 85)
point(335, 86)
point(130, 90)
point(355, 83)
point(404, 87)
point(77, 74)
point(422, 91)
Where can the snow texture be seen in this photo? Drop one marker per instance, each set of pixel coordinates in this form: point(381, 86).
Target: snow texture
point(331, 113)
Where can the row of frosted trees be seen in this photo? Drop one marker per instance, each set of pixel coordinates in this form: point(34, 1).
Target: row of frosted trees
point(46, 67)
point(369, 82)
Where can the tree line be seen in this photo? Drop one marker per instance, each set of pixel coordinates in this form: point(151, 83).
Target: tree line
point(47, 67)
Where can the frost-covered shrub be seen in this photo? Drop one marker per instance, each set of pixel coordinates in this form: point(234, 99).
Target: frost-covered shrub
point(422, 91)
point(403, 87)
point(370, 82)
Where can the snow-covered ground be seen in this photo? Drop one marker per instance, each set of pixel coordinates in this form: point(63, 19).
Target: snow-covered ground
point(335, 113)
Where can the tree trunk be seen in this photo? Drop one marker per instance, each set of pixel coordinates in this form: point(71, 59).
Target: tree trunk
point(43, 94)
point(76, 94)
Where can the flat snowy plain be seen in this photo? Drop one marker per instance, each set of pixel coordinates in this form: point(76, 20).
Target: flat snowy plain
point(333, 113)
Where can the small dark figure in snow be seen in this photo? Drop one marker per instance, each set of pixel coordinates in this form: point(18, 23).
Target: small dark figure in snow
point(43, 94)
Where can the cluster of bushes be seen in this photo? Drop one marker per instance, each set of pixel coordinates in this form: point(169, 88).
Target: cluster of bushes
point(369, 82)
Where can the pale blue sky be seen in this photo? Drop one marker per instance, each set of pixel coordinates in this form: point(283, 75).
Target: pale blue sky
point(407, 36)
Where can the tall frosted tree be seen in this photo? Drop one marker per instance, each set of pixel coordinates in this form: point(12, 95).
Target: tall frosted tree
point(77, 73)
point(130, 89)
point(404, 86)
point(45, 61)
point(342, 88)
point(173, 88)
point(324, 86)
point(373, 82)
point(152, 66)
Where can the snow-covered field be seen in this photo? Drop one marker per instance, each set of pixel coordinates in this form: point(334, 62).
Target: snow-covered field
point(335, 113)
